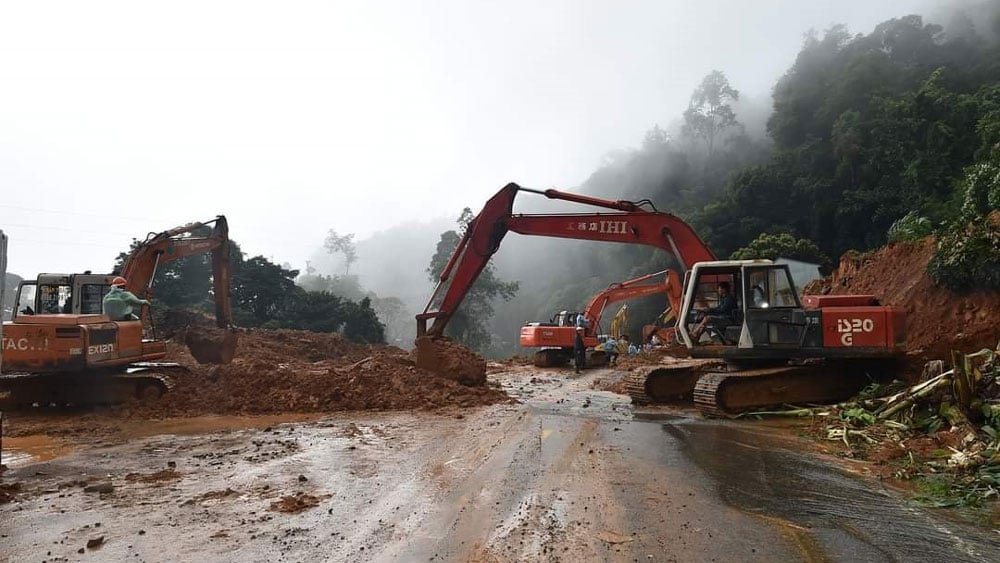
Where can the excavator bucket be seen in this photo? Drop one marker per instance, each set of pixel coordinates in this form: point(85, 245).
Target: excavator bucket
point(211, 345)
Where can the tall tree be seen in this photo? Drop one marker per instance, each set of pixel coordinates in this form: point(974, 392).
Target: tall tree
point(470, 324)
point(709, 113)
point(345, 245)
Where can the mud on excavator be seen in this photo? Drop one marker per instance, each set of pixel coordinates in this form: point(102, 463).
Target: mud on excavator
point(61, 349)
point(555, 338)
point(774, 349)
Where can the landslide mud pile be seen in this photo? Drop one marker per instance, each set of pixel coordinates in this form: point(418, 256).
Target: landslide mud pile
point(278, 371)
point(938, 320)
point(451, 360)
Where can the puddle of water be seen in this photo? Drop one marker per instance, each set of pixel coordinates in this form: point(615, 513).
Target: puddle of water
point(210, 424)
point(754, 472)
point(32, 449)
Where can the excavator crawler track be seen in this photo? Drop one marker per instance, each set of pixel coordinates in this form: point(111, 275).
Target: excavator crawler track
point(667, 382)
point(550, 358)
point(727, 394)
point(143, 382)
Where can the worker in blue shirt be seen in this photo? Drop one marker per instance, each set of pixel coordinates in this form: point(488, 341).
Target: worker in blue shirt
point(719, 316)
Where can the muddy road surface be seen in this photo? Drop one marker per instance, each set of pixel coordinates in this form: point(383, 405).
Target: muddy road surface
point(571, 474)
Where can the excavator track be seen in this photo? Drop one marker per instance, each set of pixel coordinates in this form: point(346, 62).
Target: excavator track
point(143, 382)
point(665, 383)
point(551, 357)
point(727, 394)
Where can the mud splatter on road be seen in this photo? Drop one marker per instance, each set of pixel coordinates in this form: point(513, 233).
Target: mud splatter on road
point(569, 474)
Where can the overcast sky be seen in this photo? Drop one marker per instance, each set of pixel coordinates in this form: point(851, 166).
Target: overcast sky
point(119, 118)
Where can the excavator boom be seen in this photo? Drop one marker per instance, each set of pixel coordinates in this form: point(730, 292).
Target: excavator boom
point(74, 354)
point(631, 289)
point(556, 342)
point(142, 264)
point(762, 327)
point(631, 224)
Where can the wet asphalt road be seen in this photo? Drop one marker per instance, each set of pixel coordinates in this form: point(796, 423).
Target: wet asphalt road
point(568, 475)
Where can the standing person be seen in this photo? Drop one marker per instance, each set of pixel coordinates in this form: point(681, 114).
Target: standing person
point(118, 302)
point(629, 347)
point(579, 351)
point(611, 349)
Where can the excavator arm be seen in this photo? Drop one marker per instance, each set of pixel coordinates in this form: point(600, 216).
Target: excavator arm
point(141, 266)
point(631, 289)
point(630, 223)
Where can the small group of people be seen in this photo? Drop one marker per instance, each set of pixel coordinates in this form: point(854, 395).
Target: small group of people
point(612, 348)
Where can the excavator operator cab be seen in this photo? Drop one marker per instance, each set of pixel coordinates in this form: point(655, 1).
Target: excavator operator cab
point(768, 312)
point(55, 294)
point(564, 318)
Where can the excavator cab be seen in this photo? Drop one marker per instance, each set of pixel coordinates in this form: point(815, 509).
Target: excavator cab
point(63, 294)
point(772, 322)
point(768, 313)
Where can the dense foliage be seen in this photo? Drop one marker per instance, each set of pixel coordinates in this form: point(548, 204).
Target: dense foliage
point(867, 129)
point(264, 294)
point(890, 135)
point(781, 245)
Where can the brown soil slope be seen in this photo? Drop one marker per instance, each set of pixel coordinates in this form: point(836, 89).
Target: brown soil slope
point(938, 320)
point(298, 371)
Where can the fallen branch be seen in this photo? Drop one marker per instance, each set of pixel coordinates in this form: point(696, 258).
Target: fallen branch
point(905, 400)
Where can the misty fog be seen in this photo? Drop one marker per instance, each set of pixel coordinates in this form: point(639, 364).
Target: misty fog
point(556, 274)
point(385, 121)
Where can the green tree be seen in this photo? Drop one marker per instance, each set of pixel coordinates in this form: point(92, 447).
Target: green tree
point(262, 288)
point(771, 246)
point(361, 323)
point(709, 112)
point(345, 245)
point(470, 323)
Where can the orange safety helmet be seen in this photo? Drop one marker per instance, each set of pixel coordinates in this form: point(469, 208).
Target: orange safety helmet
point(119, 282)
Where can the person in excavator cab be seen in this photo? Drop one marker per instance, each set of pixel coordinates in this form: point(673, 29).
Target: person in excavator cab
point(118, 303)
point(717, 317)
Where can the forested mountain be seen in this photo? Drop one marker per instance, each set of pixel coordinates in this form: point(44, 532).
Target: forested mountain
point(896, 131)
point(865, 129)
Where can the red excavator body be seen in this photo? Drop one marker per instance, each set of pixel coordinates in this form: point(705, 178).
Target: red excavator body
point(61, 348)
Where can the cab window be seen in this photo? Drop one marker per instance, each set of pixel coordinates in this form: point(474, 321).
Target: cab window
point(26, 300)
point(92, 302)
point(54, 299)
point(770, 288)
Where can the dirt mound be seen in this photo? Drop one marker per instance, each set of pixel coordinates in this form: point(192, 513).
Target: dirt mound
point(450, 359)
point(296, 503)
point(938, 320)
point(613, 383)
point(278, 371)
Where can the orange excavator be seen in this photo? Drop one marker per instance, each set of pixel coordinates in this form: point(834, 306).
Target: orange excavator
point(61, 349)
point(774, 348)
point(555, 338)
